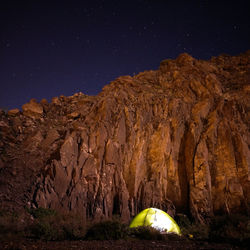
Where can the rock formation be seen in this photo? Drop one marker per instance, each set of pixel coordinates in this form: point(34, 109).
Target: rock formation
point(176, 138)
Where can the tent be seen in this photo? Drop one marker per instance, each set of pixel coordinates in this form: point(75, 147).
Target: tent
point(157, 219)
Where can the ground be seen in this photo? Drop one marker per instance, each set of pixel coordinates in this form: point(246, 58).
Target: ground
point(114, 244)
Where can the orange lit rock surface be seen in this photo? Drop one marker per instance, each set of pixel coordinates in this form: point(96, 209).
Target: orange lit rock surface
point(176, 138)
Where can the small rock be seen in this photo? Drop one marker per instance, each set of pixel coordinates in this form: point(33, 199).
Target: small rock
point(32, 109)
point(185, 59)
point(13, 112)
point(3, 124)
point(44, 101)
point(55, 100)
point(73, 115)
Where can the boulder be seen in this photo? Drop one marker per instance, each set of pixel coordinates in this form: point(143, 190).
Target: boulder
point(32, 109)
point(13, 112)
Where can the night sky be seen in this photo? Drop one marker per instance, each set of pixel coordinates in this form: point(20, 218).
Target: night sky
point(53, 48)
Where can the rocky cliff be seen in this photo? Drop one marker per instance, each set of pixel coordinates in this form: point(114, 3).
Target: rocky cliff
point(176, 138)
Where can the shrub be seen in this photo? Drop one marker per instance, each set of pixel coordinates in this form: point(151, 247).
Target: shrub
point(51, 225)
point(107, 230)
point(73, 227)
point(183, 221)
point(145, 233)
point(150, 233)
point(41, 212)
point(11, 225)
point(192, 230)
point(231, 228)
point(196, 231)
point(45, 230)
point(46, 226)
point(172, 237)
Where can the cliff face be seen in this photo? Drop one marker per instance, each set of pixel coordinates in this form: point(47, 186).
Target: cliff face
point(176, 138)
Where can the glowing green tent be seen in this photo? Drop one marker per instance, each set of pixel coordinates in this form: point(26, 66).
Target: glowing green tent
point(157, 219)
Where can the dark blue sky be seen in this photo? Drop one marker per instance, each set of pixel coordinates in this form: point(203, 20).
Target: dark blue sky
point(52, 48)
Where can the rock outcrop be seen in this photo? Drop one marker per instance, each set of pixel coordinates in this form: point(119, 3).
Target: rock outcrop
point(176, 138)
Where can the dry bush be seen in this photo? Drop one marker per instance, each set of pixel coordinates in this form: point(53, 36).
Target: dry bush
point(51, 225)
point(107, 230)
point(12, 225)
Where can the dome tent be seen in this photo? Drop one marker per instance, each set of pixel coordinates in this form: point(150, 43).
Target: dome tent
point(157, 219)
